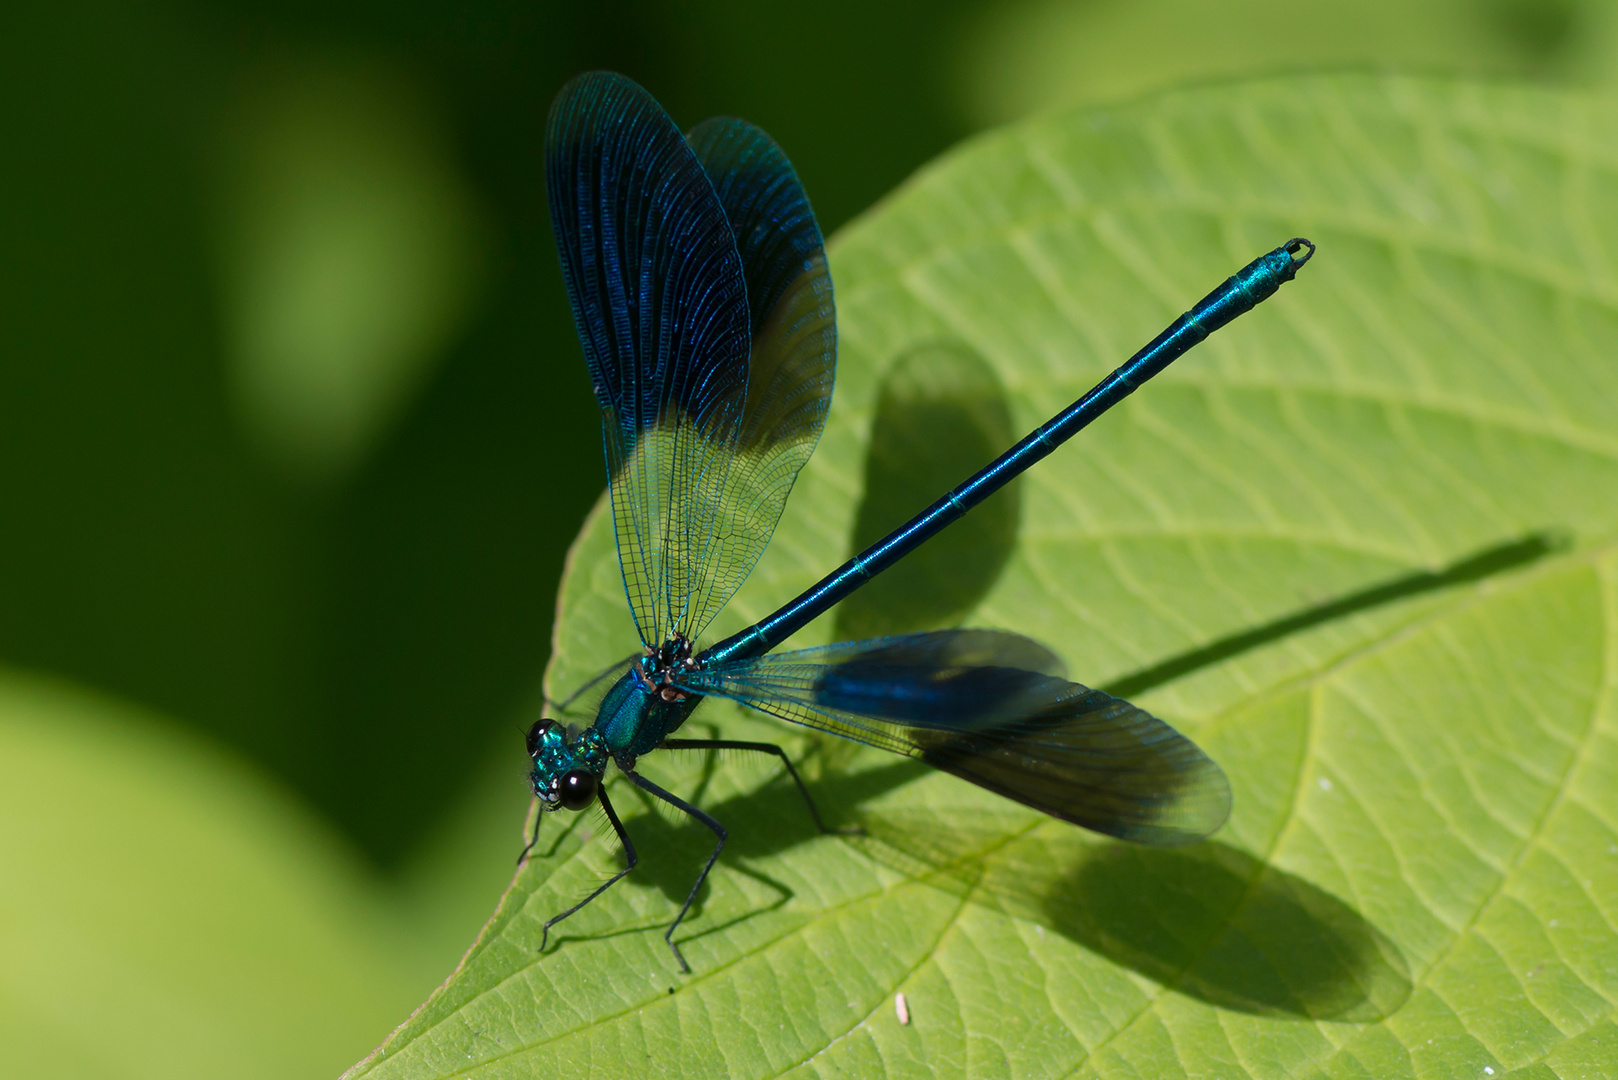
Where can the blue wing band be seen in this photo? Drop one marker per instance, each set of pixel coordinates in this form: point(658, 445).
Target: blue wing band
point(991, 708)
point(712, 360)
point(793, 361)
point(661, 307)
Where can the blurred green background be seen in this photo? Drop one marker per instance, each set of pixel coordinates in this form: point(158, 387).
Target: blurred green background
point(294, 428)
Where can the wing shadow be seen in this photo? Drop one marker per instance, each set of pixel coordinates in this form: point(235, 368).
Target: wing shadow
point(941, 415)
point(1218, 925)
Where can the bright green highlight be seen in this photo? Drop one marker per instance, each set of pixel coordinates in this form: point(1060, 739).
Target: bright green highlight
point(352, 255)
point(1420, 878)
point(168, 911)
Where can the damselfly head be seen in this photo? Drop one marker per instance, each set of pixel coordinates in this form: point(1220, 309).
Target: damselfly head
point(540, 732)
point(574, 790)
point(567, 772)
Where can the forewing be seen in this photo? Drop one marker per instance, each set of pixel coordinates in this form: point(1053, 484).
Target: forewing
point(960, 701)
point(660, 302)
point(793, 348)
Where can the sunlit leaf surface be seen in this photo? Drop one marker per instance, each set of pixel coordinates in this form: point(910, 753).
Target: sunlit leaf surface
point(1360, 546)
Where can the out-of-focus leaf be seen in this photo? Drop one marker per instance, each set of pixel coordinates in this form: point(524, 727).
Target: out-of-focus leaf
point(351, 249)
point(1361, 546)
point(166, 913)
point(1015, 58)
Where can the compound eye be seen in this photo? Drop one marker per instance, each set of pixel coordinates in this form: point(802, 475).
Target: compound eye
point(577, 790)
point(537, 733)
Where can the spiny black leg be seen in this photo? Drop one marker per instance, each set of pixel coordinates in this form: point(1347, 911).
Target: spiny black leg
point(766, 748)
point(539, 816)
point(630, 859)
point(718, 830)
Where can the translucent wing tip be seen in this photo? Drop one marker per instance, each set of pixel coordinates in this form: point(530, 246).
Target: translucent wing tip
point(1096, 761)
point(1196, 804)
point(1141, 780)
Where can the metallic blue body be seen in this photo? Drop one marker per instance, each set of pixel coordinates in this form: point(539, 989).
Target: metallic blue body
point(1244, 290)
point(644, 706)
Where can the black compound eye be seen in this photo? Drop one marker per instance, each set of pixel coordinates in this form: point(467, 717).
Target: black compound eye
point(537, 732)
point(577, 790)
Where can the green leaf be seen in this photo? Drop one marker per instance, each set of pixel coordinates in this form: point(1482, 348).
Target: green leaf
point(1019, 56)
point(1361, 546)
point(166, 912)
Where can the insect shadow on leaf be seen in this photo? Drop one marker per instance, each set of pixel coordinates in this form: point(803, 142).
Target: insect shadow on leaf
point(941, 413)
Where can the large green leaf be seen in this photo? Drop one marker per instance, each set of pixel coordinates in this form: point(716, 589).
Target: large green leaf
point(1360, 546)
point(167, 911)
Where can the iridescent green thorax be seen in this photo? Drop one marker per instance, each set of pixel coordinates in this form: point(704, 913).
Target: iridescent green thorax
point(641, 710)
point(555, 756)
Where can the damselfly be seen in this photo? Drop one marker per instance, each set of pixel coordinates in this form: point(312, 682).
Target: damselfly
point(701, 293)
